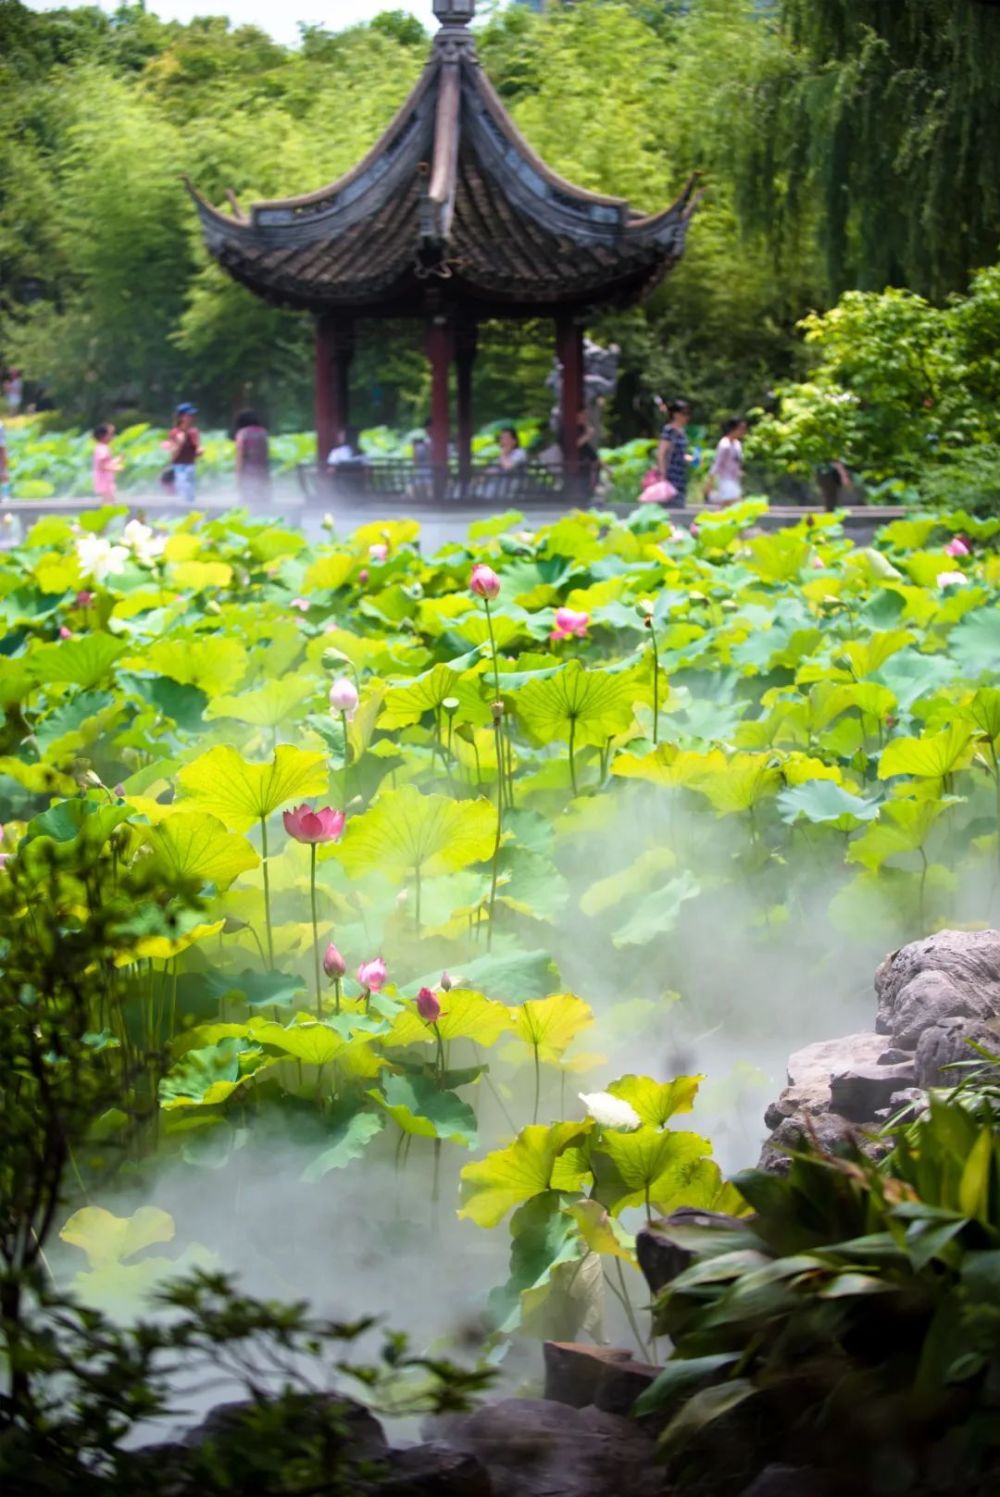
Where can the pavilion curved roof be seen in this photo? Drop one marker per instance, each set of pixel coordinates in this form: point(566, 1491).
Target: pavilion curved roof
point(450, 206)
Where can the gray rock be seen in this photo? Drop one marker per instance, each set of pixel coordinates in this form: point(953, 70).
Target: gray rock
point(432, 1471)
point(533, 1448)
point(858, 1094)
point(660, 1257)
point(359, 1431)
point(969, 961)
point(573, 1370)
point(788, 1481)
point(945, 1050)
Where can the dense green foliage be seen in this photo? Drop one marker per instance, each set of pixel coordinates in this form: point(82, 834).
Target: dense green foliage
point(855, 1317)
point(871, 133)
point(637, 734)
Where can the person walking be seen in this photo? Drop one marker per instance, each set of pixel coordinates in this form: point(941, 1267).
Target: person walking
point(106, 466)
point(184, 447)
point(725, 477)
point(253, 459)
point(672, 453)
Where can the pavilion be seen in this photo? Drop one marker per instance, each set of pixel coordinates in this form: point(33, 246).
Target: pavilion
point(452, 219)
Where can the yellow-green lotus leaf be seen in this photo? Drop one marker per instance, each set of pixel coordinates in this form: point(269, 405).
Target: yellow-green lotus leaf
point(607, 892)
point(467, 1015)
point(931, 757)
point(602, 1233)
point(197, 576)
point(405, 831)
point(657, 1101)
point(327, 573)
point(505, 1178)
point(108, 1239)
point(214, 665)
point(668, 765)
point(669, 1169)
point(194, 845)
point(239, 793)
point(590, 706)
point(268, 706)
point(550, 1025)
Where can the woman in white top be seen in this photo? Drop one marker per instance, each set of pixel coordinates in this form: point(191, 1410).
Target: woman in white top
point(725, 479)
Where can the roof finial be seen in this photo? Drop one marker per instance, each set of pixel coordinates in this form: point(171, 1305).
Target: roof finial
point(455, 12)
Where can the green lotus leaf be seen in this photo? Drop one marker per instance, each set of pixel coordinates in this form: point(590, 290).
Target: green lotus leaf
point(213, 665)
point(76, 722)
point(975, 642)
point(66, 819)
point(314, 1043)
point(589, 706)
point(656, 913)
point(269, 705)
point(668, 765)
point(239, 793)
point(610, 891)
point(549, 1026)
point(348, 1140)
point(903, 827)
point(201, 992)
point(931, 757)
point(405, 831)
point(657, 1101)
point(665, 1168)
point(417, 1106)
point(85, 661)
point(823, 802)
point(984, 712)
point(204, 1078)
point(509, 977)
point(742, 782)
point(407, 703)
point(543, 1238)
point(108, 1239)
point(194, 845)
point(506, 1177)
point(601, 1232)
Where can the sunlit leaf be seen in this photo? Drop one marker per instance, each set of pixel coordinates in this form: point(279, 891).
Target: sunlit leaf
point(417, 1106)
point(406, 831)
point(550, 1025)
point(240, 793)
point(505, 1178)
point(657, 1101)
point(194, 845)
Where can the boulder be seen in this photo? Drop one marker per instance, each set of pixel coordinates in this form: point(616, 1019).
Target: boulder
point(432, 1471)
point(573, 1370)
point(946, 1048)
point(967, 960)
point(358, 1431)
point(660, 1257)
point(858, 1094)
point(534, 1448)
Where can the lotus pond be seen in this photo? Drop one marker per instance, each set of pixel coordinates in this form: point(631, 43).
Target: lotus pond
point(463, 865)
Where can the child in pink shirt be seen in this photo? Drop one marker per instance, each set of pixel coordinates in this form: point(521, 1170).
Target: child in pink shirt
point(106, 465)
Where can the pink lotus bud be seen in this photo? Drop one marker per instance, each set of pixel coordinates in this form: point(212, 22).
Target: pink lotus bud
point(372, 975)
point(363, 576)
point(65, 633)
point(344, 697)
point(484, 582)
point(447, 982)
point(120, 791)
point(333, 963)
point(427, 1006)
point(958, 547)
point(84, 599)
point(302, 604)
point(569, 622)
point(379, 551)
point(314, 826)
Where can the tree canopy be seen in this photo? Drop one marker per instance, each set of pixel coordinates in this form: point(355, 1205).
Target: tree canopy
point(842, 145)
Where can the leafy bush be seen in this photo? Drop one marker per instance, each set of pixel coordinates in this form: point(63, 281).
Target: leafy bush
point(855, 1313)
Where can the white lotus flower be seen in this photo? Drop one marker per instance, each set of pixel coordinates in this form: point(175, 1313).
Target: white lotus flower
point(609, 1111)
point(951, 579)
point(145, 545)
point(99, 558)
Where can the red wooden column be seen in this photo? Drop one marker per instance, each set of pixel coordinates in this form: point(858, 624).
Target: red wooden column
point(569, 351)
point(439, 352)
point(334, 352)
point(465, 358)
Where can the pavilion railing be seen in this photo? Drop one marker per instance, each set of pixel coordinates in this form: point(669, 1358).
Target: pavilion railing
point(425, 483)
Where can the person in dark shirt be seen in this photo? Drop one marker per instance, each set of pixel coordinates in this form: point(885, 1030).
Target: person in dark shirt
point(253, 461)
point(184, 446)
point(672, 454)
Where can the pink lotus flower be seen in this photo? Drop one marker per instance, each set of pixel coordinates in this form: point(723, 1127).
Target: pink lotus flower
point(951, 579)
point(302, 604)
point(84, 599)
point(372, 975)
point(65, 633)
point(363, 576)
point(958, 547)
point(447, 982)
point(569, 622)
point(306, 825)
point(484, 582)
point(344, 697)
point(428, 1006)
point(379, 551)
point(333, 963)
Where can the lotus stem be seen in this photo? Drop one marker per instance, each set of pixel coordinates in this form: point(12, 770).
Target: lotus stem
point(572, 757)
point(656, 684)
point(347, 753)
point(315, 924)
point(496, 846)
point(267, 893)
point(493, 648)
point(336, 995)
point(538, 1084)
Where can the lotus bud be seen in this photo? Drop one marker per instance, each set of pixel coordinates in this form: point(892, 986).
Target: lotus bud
point(372, 975)
point(378, 552)
point(333, 963)
point(447, 982)
point(428, 1006)
point(451, 705)
point(65, 633)
point(484, 582)
point(496, 711)
point(344, 697)
point(363, 576)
